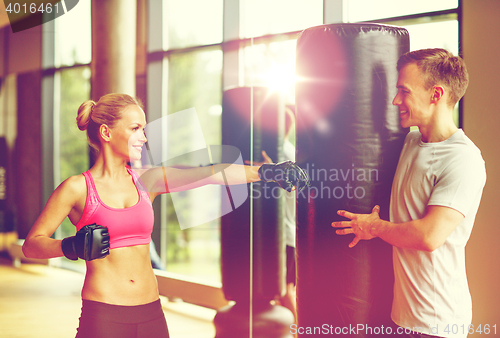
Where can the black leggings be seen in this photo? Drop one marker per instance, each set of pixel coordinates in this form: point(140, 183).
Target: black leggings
point(117, 321)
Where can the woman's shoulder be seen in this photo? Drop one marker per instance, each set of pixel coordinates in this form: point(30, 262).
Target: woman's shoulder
point(74, 185)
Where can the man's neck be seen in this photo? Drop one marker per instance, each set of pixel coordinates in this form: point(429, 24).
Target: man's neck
point(440, 128)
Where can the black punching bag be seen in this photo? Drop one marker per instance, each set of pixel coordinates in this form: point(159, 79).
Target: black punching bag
point(349, 140)
point(252, 236)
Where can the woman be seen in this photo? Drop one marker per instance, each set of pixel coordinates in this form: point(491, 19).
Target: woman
point(120, 293)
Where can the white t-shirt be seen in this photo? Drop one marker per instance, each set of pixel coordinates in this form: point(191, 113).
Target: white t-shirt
point(430, 289)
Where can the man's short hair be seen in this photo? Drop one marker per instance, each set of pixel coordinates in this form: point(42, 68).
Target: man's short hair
point(439, 67)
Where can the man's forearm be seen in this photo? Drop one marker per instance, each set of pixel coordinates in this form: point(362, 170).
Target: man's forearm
point(408, 235)
point(427, 233)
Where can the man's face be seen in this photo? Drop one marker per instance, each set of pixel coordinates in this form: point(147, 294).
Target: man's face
point(412, 99)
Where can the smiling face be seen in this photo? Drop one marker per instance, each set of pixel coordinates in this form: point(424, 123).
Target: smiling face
point(413, 99)
point(128, 134)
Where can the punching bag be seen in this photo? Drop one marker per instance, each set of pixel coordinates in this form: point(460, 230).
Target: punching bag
point(349, 140)
point(252, 235)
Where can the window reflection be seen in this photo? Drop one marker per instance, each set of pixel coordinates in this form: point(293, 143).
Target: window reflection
point(194, 80)
point(272, 65)
point(192, 22)
point(423, 35)
point(364, 10)
point(70, 143)
point(73, 36)
point(262, 17)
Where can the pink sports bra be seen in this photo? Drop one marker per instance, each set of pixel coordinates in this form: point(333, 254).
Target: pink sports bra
point(127, 226)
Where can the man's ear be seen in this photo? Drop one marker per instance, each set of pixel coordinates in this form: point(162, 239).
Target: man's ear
point(105, 132)
point(437, 94)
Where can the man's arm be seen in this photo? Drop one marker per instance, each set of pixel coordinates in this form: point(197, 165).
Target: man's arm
point(427, 233)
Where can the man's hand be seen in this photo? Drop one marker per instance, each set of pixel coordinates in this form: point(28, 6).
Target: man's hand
point(361, 225)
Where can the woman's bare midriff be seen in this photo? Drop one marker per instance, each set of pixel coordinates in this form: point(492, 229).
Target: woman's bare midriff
point(124, 277)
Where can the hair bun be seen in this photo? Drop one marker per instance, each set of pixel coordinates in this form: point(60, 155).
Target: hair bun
point(84, 114)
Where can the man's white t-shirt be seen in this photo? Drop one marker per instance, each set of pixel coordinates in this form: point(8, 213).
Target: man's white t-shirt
point(431, 290)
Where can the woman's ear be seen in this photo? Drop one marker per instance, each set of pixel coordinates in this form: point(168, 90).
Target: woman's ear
point(105, 132)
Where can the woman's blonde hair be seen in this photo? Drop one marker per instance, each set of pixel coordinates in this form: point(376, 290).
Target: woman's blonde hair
point(108, 110)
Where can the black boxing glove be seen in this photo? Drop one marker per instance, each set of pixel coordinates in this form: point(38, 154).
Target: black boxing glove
point(287, 174)
point(90, 242)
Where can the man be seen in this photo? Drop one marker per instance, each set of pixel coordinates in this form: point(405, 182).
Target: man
point(435, 195)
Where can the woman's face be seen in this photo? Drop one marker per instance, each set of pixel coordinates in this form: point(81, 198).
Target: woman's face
point(128, 134)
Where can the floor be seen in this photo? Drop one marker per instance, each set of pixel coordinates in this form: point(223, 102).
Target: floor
point(42, 301)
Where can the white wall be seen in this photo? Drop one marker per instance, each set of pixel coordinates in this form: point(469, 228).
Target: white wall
point(481, 51)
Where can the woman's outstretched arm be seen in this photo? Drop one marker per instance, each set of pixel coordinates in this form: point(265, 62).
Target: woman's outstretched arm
point(168, 179)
